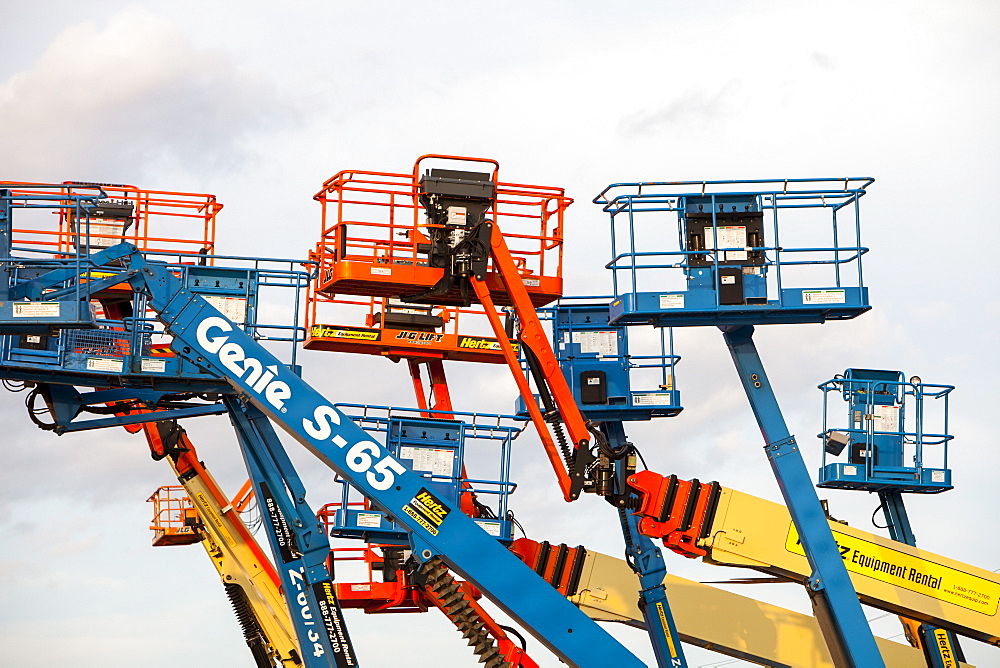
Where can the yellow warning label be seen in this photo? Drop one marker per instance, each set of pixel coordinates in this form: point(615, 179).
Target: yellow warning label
point(208, 512)
point(909, 572)
point(944, 650)
point(431, 529)
point(666, 629)
point(328, 332)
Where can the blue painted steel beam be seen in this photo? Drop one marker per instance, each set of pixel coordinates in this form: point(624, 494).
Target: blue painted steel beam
point(298, 542)
point(202, 335)
point(938, 654)
point(646, 559)
point(33, 289)
point(838, 610)
point(141, 418)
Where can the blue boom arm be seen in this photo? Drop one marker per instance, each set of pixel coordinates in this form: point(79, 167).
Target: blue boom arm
point(213, 342)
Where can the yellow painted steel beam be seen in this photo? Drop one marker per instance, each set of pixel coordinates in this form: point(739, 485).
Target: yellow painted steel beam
point(227, 547)
point(721, 621)
point(759, 534)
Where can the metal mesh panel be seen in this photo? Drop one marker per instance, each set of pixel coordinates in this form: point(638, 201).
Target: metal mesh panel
point(103, 342)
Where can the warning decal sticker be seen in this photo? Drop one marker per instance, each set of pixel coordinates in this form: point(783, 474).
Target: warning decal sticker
point(282, 532)
point(333, 623)
point(428, 510)
point(481, 343)
point(823, 297)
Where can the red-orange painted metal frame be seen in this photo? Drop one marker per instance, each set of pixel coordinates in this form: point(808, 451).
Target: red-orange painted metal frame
point(374, 262)
point(168, 222)
point(533, 336)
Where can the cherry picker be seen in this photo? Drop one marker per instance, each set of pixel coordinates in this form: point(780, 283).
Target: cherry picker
point(262, 388)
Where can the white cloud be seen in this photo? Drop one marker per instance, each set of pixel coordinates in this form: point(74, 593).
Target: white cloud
point(132, 99)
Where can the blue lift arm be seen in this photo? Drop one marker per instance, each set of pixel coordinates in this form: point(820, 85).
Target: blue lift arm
point(206, 338)
point(840, 615)
point(298, 542)
point(646, 559)
point(941, 647)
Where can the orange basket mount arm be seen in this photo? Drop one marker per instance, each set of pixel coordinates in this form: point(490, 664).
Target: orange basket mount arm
point(561, 408)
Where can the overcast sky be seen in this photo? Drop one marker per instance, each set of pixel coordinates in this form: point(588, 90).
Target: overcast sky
point(258, 103)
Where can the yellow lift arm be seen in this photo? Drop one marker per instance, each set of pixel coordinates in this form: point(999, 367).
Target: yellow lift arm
point(737, 626)
point(245, 571)
point(730, 528)
point(914, 583)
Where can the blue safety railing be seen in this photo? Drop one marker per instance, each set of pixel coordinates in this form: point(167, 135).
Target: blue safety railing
point(894, 438)
point(135, 348)
point(453, 440)
point(803, 264)
point(607, 377)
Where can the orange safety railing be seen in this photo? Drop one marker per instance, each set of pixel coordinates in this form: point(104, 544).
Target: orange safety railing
point(375, 218)
point(174, 517)
point(155, 221)
point(359, 324)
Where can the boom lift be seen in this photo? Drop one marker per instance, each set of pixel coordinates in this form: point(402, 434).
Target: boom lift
point(149, 382)
point(727, 273)
point(451, 237)
point(205, 515)
point(454, 226)
point(213, 344)
point(890, 444)
point(603, 373)
point(742, 530)
point(604, 587)
point(456, 254)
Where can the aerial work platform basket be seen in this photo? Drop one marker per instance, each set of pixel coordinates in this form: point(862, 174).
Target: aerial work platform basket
point(89, 217)
point(893, 439)
point(439, 449)
point(398, 330)
point(68, 311)
point(730, 253)
point(175, 520)
point(376, 239)
point(609, 379)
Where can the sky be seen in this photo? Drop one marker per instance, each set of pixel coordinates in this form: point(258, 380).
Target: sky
point(259, 103)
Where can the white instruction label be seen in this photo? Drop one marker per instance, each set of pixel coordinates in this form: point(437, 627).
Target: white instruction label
point(104, 364)
point(492, 528)
point(381, 271)
point(457, 215)
point(370, 520)
point(823, 297)
point(532, 282)
point(651, 399)
point(36, 309)
point(361, 587)
point(885, 418)
point(439, 461)
point(730, 236)
point(105, 235)
point(672, 301)
point(602, 343)
point(153, 365)
point(234, 308)
point(733, 237)
point(937, 476)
